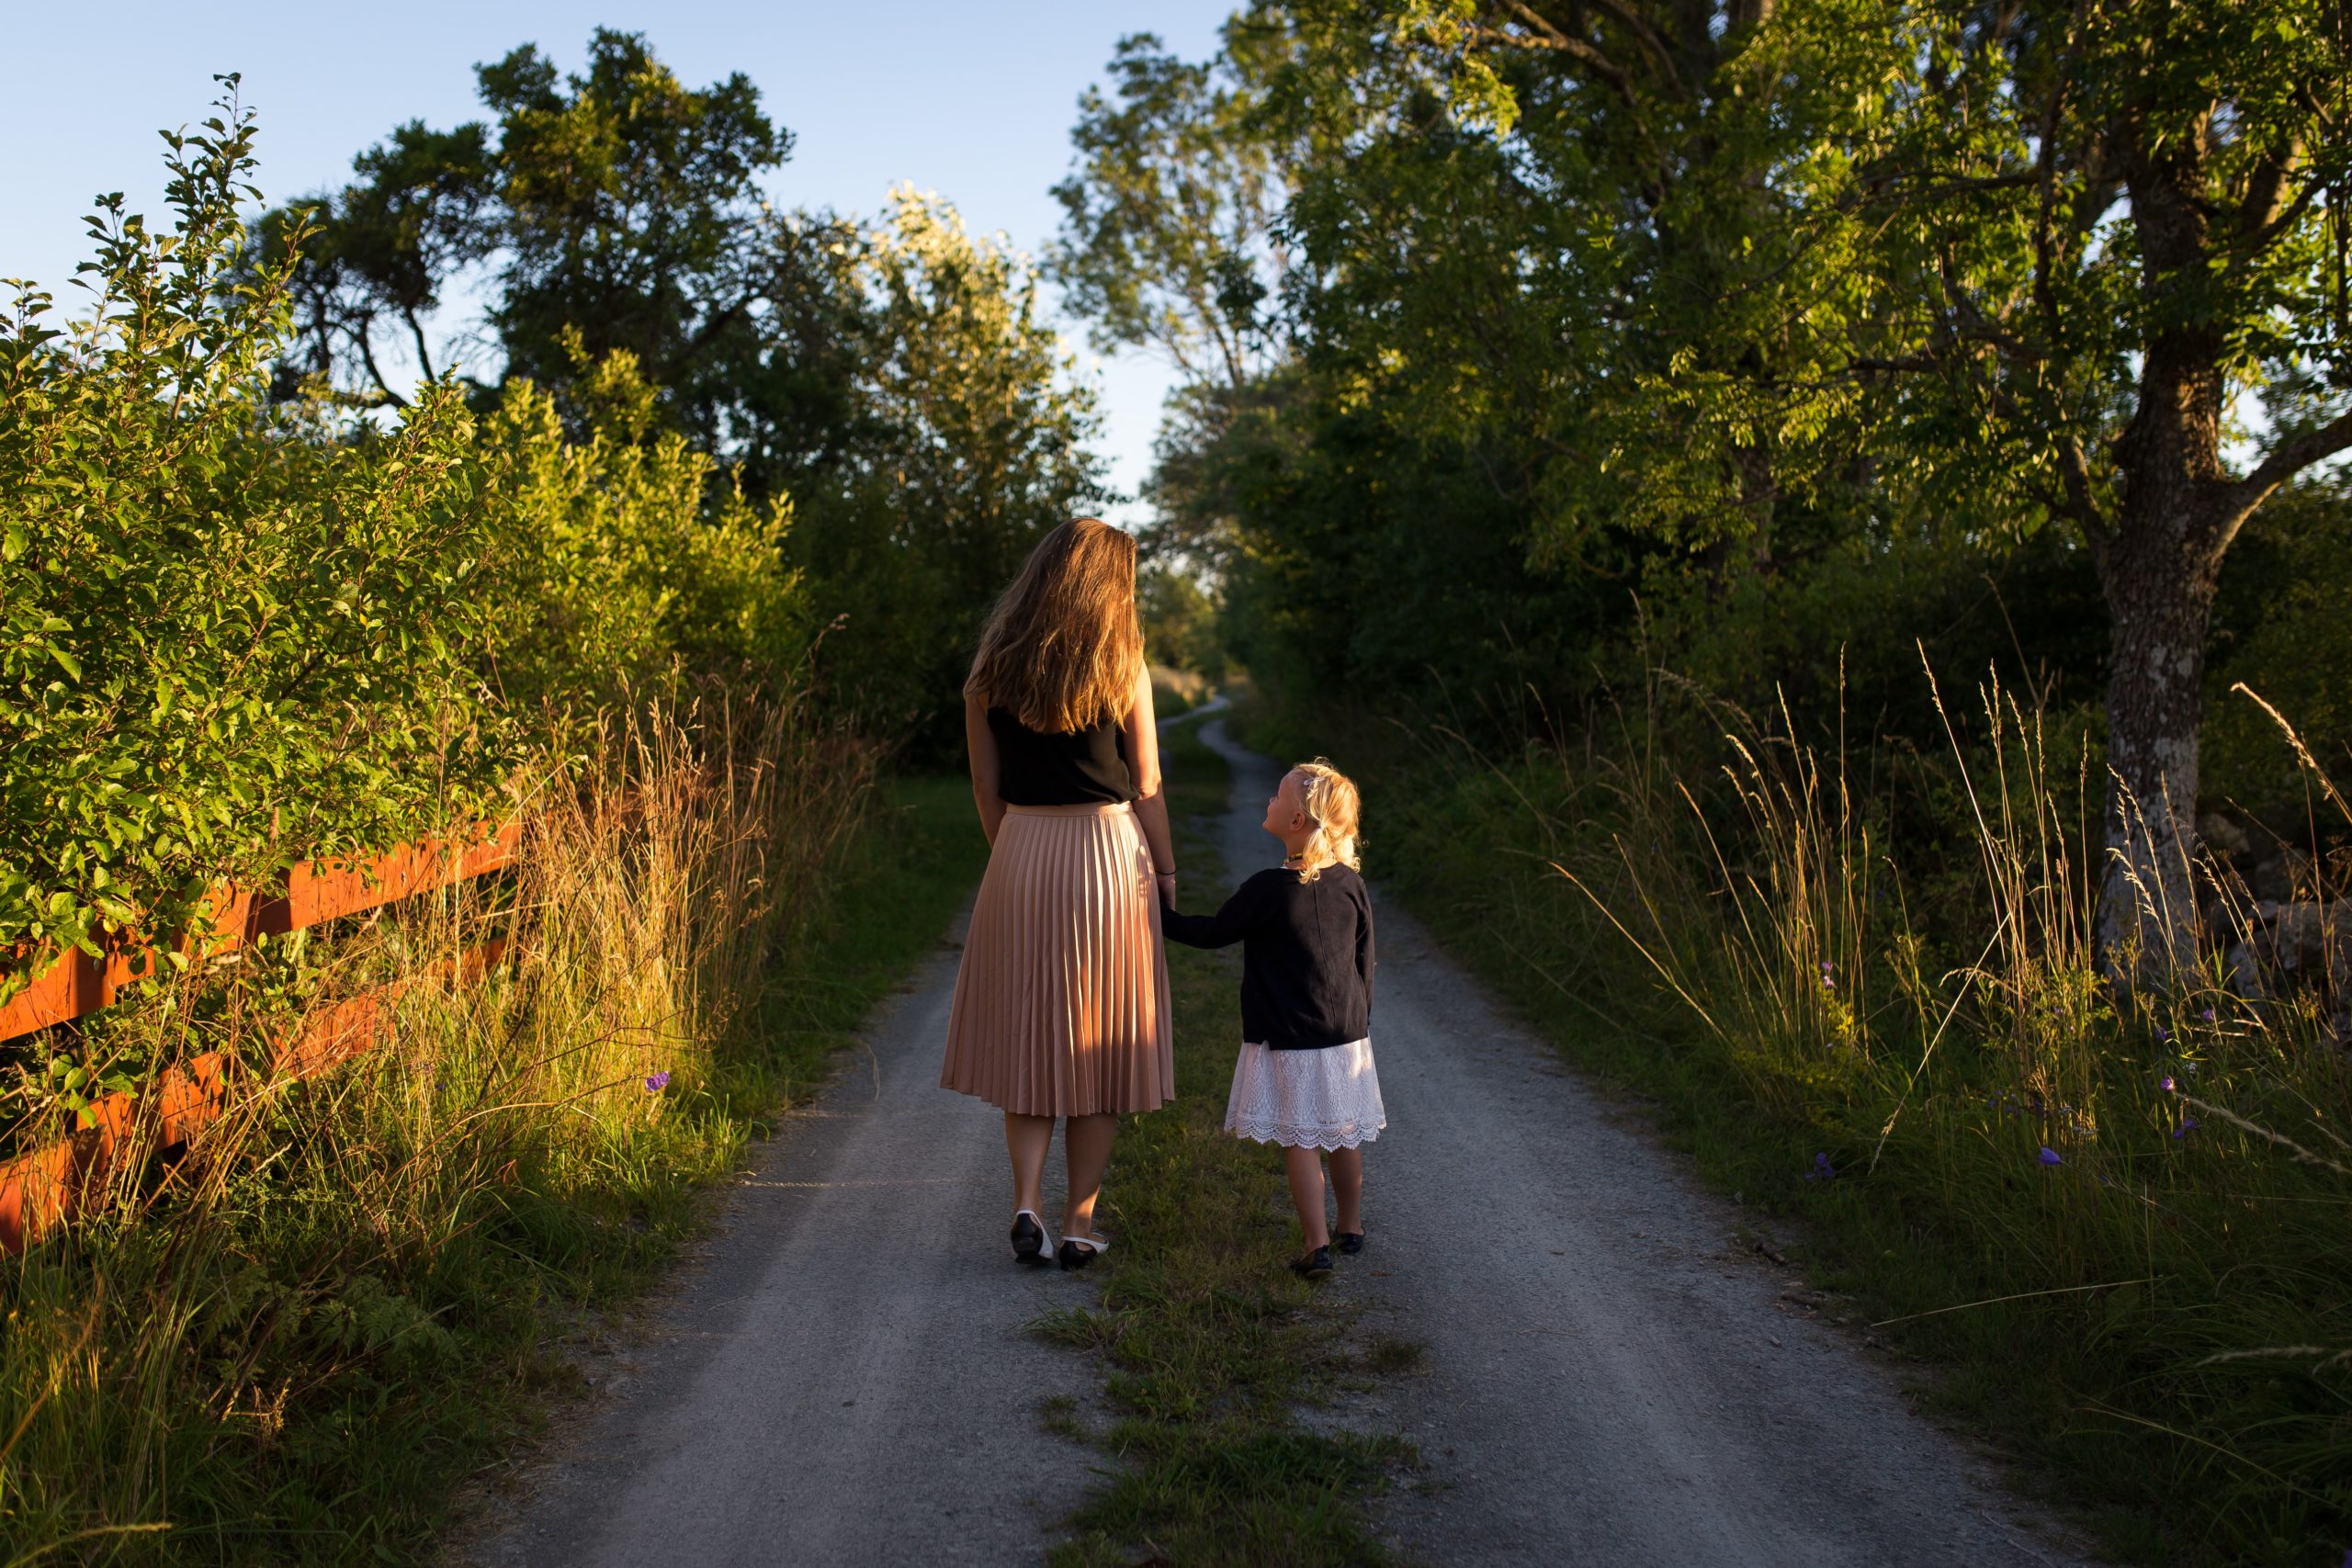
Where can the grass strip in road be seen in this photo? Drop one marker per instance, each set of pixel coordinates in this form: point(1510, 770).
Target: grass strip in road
point(1211, 1342)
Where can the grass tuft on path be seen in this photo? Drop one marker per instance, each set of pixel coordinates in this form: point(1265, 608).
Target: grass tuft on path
point(1210, 1342)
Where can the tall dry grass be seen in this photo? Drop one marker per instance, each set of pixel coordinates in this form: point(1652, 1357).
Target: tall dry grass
point(284, 1341)
point(1864, 987)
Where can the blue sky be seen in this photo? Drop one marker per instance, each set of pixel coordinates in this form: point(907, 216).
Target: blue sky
point(973, 100)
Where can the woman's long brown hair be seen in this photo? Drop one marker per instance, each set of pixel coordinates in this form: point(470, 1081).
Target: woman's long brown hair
point(1063, 648)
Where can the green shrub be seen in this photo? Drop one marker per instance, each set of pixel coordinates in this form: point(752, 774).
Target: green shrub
point(238, 632)
point(235, 634)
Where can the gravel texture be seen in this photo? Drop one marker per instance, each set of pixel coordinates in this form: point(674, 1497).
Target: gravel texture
point(843, 1376)
point(1609, 1374)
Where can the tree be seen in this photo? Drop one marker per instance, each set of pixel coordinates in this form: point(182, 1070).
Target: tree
point(619, 203)
point(2119, 222)
point(386, 246)
point(972, 444)
point(1168, 235)
point(1731, 277)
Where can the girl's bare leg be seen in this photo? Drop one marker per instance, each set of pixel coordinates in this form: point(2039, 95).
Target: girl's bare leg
point(1347, 1186)
point(1086, 1142)
point(1027, 1138)
point(1305, 1167)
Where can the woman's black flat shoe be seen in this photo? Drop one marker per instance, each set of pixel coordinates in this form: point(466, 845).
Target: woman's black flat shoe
point(1314, 1265)
point(1028, 1239)
point(1351, 1242)
point(1076, 1253)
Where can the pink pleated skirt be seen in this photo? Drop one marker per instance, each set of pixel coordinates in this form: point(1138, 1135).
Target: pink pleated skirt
point(1061, 1001)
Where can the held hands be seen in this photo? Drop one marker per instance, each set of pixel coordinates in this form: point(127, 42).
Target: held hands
point(1166, 882)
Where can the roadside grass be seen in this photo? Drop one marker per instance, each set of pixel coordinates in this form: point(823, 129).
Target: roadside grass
point(297, 1342)
point(2146, 1302)
point(1211, 1342)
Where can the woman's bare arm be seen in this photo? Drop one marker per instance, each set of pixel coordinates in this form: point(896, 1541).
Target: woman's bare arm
point(1143, 761)
point(979, 748)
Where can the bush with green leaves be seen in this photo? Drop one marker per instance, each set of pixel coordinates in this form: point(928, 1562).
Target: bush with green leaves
point(618, 547)
point(239, 630)
point(235, 632)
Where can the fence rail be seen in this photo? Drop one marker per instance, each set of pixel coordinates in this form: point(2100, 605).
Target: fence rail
point(45, 1186)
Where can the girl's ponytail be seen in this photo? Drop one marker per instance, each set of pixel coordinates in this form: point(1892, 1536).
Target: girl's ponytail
point(1333, 806)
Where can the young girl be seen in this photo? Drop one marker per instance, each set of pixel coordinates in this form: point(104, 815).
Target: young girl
point(1305, 1078)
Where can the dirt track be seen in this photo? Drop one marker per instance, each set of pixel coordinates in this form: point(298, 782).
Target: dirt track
point(1610, 1377)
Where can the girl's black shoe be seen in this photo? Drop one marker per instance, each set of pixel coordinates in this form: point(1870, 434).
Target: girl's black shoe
point(1077, 1253)
point(1351, 1242)
point(1028, 1239)
point(1314, 1265)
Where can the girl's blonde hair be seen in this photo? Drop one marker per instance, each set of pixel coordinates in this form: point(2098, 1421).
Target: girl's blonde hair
point(1063, 648)
point(1333, 806)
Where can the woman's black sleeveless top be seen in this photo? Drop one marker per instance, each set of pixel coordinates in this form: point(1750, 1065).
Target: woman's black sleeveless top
point(1083, 767)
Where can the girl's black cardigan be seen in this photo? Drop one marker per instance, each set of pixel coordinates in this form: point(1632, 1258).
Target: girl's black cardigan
point(1306, 955)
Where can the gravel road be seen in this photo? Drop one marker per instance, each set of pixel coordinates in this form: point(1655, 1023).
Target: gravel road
point(843, 1377)
point(1609, 1376)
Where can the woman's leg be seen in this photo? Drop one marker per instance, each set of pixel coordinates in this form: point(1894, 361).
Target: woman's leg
point(1086, 1142)
point(1027, 1138)
point(1305, 1167)
point(1347, 1186)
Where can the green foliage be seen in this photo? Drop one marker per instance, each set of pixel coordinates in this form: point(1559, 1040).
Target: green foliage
point(1168, 224)
point(243, 631)
point(235, 637)
point(1179, 622)
point(1813, 326)
point(623, 558)
point(892, 392)
point(619, 206)
point(976, 446)
point(2279, 630)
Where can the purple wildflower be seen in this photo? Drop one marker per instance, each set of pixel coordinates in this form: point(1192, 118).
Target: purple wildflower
point(2050, 1156)
point(1821, 1169)
point(2169, 1084)
point(657, 1082)
point(2187, 1126)
point(2207, 1015)
point(2163, 1033)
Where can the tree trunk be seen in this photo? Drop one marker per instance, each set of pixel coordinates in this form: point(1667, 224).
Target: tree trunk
point(2158, 567)
point(2159, 576)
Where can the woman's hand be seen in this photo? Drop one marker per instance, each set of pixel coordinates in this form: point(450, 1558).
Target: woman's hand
point(1167, 884)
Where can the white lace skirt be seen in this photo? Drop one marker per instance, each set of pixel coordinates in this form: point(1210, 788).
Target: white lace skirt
point(1326, 1098)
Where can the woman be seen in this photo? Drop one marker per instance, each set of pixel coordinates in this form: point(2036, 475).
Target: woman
point(1061, 1002)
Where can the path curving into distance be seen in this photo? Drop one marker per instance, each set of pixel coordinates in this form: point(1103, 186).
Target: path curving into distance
point(843, 1377)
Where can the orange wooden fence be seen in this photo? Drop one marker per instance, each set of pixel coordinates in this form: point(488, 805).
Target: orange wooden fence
point(43, 1189)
